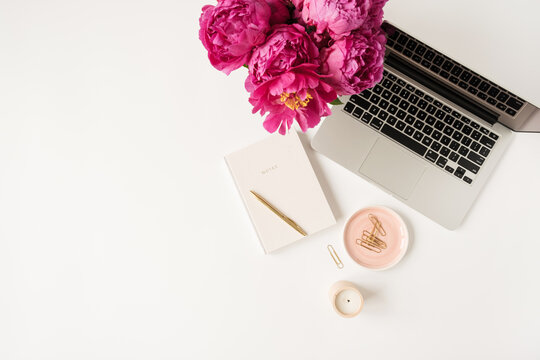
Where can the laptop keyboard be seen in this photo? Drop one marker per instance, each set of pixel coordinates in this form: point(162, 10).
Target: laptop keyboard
point(485, 91)
point(424, 124)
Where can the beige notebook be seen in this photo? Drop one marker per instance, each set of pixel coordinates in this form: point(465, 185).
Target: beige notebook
point(279, 170)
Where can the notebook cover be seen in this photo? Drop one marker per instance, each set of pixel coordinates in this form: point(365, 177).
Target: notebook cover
point(279, 170)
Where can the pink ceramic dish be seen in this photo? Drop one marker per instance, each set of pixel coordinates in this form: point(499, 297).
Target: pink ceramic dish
point(396, 238)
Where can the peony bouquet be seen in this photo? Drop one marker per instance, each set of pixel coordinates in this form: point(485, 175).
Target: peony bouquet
point(301, 54)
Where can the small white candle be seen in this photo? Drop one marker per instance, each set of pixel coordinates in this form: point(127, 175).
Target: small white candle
point(346, 299)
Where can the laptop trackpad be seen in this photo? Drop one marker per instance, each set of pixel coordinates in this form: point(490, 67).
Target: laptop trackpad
point(393, 167)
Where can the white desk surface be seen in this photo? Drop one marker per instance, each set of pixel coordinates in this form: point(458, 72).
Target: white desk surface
point(122, 235)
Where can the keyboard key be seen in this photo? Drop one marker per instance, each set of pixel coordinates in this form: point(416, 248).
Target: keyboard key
point(456, 114)
point(386, 95)
point(445, 151)
point(493, 91)
point(400, 125)
point(454, 79)
point(435, 146)
point(475, 158)
point(472, 90)
point(383, 104)
point(484, 151)
point(407, 53)
point(436, 135)
point(404, 104)
point(468, 165)
point(357, 112)
point(413, 110)
point(401, 114)
point(427, 141)
point(416, 58)
point(437, 103)
point(441, 161)
point(422, 104)
point(374, 109)
point(501, 106)
point(439, 114)
point(428, 98)
point(418, 124)
point(421, 115)
point(386, 84)
point(445, 74)
point(391, 120)
point(427, 130)
point(465, 76)
point(456, 70)
point(446, 140)
point(439, 125)
point(492, 101)
point(392, 109)
point(435, 69)
point(404, 140)
point(447, 65)
point(409, 130)
point(467, 130)
point(454, 145)
point(484, 86)
point(363, 103)
point(474, 81)
point(476, 135)
point(398, 47)
point(367, 117)
point(411, 45)
point(487, 142)
point(468, 180)
point(453, 156)
point(430, 120)
point(502, 97)
point(459, 172)
point(465, 120)
point(413, 98)
point(449, 169)
point(431, 109)
point(457, 136)
point(448, 130)
point(438, 60)
point(429, 55)
point(418, 136)
point(378, 89)
point(447, 109)
point(349, 107)
point(410, 119)
point(449, 119)
point(383, 115)
point(418, 92)
point(431, 156)
point(426, 64)
point(511, 112)
point(420, 50)
point(463, 85)
point(482, 96)
point(493, 136)
point(376, 123)
point(475, 146)
point(466, 141)
point(375, 98)
point(463, 151)
point(395, 99)
point(458, 125)
point(514, 103)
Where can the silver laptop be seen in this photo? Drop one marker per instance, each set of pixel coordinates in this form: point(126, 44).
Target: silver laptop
point(430, 133)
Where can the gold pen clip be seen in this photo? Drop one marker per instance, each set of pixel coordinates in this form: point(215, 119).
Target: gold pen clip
point(335, 256)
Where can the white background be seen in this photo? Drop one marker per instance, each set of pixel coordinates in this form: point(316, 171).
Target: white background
point(122, 235)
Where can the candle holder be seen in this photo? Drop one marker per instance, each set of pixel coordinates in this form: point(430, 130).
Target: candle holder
point(346, 299)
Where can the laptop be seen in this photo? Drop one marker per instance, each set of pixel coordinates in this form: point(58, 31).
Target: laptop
point(430, 133)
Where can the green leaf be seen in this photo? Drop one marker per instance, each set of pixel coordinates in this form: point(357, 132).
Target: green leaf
point(336, 102)
point(245, 65)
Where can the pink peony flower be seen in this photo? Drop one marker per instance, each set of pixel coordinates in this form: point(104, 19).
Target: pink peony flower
point(231, 29)
point(340, 17)
point(355, 63)
point(280, 11)
point(287, 46)
point(297, 94)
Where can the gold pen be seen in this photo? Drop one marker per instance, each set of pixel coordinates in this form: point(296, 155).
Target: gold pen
point(283, 217)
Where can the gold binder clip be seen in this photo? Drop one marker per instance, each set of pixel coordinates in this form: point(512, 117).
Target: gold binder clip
point(335, 256)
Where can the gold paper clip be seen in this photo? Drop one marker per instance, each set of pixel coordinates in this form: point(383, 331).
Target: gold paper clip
point(335, 256)
point(370, 240)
